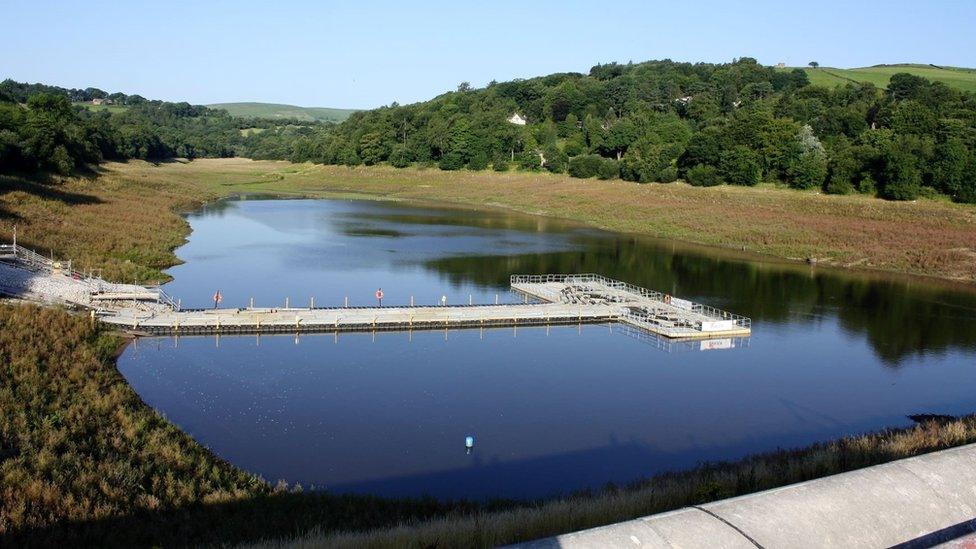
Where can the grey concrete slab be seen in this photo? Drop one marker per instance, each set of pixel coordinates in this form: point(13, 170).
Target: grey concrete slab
point(685, 528)
point(916, 501)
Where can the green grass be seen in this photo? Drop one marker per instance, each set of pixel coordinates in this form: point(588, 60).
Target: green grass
point(98, 108)
point(275, 110)
point(879, 75)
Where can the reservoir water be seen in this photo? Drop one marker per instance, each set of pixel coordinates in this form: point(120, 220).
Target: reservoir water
point(551, 411)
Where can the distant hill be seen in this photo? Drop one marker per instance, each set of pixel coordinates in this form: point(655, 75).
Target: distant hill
point(879, 75)
point(274, 110)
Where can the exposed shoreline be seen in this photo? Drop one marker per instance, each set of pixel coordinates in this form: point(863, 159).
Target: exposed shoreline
point(925, 241)
point(158, 226)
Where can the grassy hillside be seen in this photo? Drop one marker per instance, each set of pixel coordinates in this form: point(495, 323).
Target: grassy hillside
point(275, 110)
point(97, 108)
point(879, 75)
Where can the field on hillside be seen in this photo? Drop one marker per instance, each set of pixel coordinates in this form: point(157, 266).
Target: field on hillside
point(130, 206)
point(879, 75)
point(98, 108)
point(275, 110)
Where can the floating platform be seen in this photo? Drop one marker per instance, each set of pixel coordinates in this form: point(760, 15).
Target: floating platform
point(641, 308)
point(555, 299)
point(294, 320)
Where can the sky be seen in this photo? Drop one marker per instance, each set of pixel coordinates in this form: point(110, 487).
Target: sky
point(367, 54)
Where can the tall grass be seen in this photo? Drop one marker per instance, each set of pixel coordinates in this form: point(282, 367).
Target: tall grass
point(83, 460)
point(128, 226)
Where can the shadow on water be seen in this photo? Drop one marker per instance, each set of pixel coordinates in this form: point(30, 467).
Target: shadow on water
point(898, 317)
point(353, 507)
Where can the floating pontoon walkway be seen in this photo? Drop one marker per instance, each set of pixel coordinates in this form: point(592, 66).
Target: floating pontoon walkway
point(641, 308)
point(564, 299)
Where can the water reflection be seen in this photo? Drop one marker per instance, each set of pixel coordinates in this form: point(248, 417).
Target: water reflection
point(654, 341)
point(553, 409)
point(899, 318)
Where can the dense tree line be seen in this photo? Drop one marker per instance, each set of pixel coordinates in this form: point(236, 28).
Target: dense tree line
point(738, 123)
point(42, 129)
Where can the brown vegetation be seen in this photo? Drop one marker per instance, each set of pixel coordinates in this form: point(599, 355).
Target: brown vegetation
point(83, 460)
point(123, 220)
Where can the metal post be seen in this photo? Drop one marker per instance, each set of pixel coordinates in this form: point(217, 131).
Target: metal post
point(251, 306)
point(286, 302)
point(496, 299)
point(346, 302)
point(469, 299)
point(411, 301)
point(311, 303)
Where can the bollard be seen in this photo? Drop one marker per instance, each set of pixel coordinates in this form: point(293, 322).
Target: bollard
point(496, 299)
point(311, 303)
point(469, 300)
point(286, 302)
point(251, 306)
point(346, 302)
point(411, 301)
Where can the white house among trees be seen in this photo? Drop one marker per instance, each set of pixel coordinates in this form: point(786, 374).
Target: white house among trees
point(517, 119)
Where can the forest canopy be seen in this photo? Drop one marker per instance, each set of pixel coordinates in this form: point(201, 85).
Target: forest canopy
point(739, 123)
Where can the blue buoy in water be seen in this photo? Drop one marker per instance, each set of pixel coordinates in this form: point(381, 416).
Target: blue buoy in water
point(468, 443)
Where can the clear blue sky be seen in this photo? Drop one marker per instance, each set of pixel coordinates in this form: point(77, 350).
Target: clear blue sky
point(366, 54)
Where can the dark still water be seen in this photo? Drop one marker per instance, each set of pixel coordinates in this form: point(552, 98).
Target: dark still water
point(552, 411)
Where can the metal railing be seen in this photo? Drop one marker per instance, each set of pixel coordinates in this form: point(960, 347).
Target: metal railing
point(168, 299)
point(36, 262)
point(591, 278)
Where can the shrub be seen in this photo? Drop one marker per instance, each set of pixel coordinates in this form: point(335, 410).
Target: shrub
point(398, 157)
point(479, 161)
point(967, 191)
point(451, 161)
point(740, 166)
point(500, 165)
point(528, 160)
point(62, 161)
point(573, 148)
point(839, 186)
point(585, 166)
point(556, 160)
point(903, 180)
point(668, 175)
point(703, 175)
point(808, 172)
point(867, 186)
point(609, 169)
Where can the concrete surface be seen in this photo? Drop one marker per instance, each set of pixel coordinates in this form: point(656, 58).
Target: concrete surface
point(922, 501)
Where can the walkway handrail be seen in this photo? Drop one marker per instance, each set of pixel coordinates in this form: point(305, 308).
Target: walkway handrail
point(590, 278)
point(28, 256)
point(168, 299)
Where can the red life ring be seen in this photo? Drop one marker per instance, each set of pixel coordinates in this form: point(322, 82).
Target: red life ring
point(379, 294)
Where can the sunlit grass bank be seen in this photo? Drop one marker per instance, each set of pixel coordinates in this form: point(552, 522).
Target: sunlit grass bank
point(84, 461)
point(124, 220)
